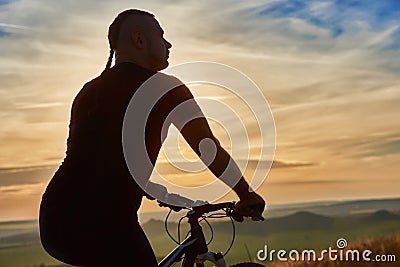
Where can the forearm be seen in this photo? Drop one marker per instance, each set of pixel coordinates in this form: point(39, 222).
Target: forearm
point(225, 168)
point(242, 188)
point(200, 138)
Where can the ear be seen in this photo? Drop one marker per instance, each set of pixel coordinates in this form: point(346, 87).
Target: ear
point(138, 40)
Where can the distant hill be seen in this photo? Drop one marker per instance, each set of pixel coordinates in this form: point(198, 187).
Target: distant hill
point(326, 208)
point(382, 215)
point(359, 206)
point(302, 220)
point(299, 221)
point(336, 208)
point(22, 239)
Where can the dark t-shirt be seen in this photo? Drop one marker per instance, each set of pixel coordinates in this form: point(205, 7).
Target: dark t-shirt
point(94, 181)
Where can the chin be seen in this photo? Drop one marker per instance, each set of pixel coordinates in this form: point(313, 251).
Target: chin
point(164, 65)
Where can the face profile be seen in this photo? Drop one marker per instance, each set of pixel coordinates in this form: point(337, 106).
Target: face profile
point(141, 40)
point(158, 47)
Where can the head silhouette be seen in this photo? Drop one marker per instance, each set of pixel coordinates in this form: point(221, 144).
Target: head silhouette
point(136, 36)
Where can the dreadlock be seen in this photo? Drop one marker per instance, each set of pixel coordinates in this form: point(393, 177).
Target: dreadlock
point(114, 29)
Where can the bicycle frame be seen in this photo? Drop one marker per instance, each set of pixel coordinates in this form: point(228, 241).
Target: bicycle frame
point(193, 247)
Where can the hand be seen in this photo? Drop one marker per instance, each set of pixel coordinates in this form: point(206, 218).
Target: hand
point(175, 202)
point(251, 205)
point(172, 207)
point(149, 197)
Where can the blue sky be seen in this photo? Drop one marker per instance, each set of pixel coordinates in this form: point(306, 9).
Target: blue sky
point(329, 70)
point(3, 33)
point(339, 16)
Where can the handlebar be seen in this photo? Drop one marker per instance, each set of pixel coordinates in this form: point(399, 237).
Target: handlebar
point(229, 206)
point(199, 207)
point(199, 211)
point(206, 208)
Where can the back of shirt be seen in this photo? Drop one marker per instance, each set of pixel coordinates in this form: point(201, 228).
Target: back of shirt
point(94, 178)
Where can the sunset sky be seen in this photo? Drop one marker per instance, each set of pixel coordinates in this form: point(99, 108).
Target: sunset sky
point(330, 71)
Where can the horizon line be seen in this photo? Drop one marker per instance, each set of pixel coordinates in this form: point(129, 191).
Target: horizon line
point(332, 202)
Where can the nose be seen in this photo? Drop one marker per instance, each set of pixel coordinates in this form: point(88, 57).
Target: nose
point(167, 44)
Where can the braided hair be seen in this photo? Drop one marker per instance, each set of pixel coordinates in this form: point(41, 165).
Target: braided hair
point(115, 27)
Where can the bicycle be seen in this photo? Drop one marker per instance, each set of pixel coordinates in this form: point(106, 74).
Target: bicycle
point(194, 248)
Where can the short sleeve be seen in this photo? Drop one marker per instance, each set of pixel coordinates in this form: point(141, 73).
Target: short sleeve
point(185, 107)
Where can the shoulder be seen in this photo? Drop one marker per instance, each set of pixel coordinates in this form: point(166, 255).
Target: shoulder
point(167, 85)
point(89, 87)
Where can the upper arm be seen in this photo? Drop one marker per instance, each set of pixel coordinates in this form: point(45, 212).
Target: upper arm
point(190, 120)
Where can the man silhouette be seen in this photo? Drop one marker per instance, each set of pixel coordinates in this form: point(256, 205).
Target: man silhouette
point(88, 213)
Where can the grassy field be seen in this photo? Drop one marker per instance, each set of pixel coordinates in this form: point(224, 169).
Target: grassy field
point(32, 255)
point(256, 235)
point(20, 244)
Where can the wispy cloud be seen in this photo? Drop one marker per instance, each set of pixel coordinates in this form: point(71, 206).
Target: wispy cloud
point(20, 176)
point(38, 105)
point(336, 16)
point(13, 26)
point(22, 190)
point(304, 29)
point(25, 169)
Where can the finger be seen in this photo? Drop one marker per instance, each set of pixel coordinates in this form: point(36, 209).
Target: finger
point(257, 218)
point(237, 217)
point(150, 197)
point(246, 212)
point(256, 215)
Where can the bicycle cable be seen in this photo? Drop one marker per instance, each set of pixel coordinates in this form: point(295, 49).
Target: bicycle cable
point(221, 215)
point(233, 236)
point(204, 218)
point(166, 227)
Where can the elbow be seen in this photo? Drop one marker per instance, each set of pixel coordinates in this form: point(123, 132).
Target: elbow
point(209, 150)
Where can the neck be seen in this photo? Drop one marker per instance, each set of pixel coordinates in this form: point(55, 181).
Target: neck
point(126, 57)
